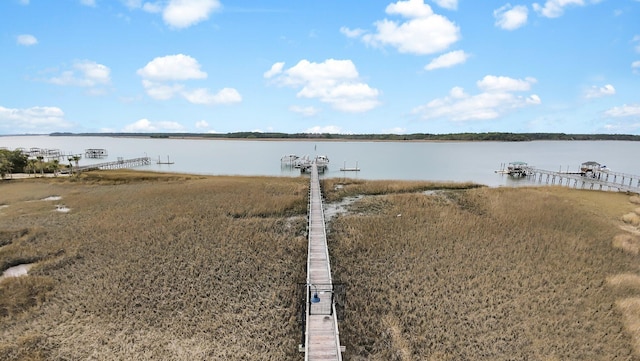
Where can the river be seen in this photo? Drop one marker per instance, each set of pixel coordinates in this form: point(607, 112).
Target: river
point(438, 161)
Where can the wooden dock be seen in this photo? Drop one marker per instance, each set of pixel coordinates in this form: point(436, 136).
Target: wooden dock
point(349, 169)
point(118, 164)
point(95, 153)
point(596, 180)
point(322, 341)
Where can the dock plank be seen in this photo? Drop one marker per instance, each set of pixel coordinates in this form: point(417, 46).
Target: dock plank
point(322, 342)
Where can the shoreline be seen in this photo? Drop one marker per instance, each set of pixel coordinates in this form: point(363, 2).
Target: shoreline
point(34, 176)
point(412, 137)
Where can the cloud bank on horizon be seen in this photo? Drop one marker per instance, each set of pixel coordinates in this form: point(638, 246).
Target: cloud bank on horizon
point(407, 66)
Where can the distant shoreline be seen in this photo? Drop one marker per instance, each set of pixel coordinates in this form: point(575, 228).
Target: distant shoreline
point(415, 137)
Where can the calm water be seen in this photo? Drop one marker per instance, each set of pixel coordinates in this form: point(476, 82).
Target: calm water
point(442, 161)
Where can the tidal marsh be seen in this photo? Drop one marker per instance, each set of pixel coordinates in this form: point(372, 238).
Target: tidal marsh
point(486, 274)
point(179, 267)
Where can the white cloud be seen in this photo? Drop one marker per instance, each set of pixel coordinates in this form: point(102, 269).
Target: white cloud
point(84, 73)
point(335, 82)
point(26, 40)
point(172, 67)
point(91, 3)
point(598, 92)
point(636, 41)
point(623, 127)
point(329, 129)
point(624, 111)
point(635, 66)
point(132, 4)
point(410, 9)
point(448, 60)
point(497, 99)
point(161, 76)
point(23, 2)
point(178, 14)
point(511, 17)
point(203, 96)
point(202, 124)
point(447, 4)
point(351, 33)
point(184, 13)
point(492, 83)
point(37, 119)
point(152, 8)
point(396, 130)
point(145, 125)
point(161, 91)
point(423, 33)
point(94, 72)
point(555, 8)
point(275, 70)
point(306, 111)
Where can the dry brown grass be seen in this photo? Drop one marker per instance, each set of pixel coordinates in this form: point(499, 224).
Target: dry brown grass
point(483, 274)
point(18, 295)
point(630, 281)
point(179, 267)
point(338, 188)
point(159, 267)
point(631, 218)
point(630, 308)
point(627, 242)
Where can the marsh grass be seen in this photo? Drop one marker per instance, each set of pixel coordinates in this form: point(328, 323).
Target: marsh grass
point(484, 274)
point(155, 267)
point(338, 188)
point(625, 280)
point(632, 218)
point(125, 176)
point(630, 307)
point(19, 294)
point(627, 242)
point(178, 267)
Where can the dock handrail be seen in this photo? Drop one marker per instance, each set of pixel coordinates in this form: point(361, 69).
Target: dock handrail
point(598, 178)
point(121, 163)
point(322, 341)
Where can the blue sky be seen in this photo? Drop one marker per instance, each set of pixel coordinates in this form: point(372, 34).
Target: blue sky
point(415, 66)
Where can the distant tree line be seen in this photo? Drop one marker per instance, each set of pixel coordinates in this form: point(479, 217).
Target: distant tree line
point(491, 136)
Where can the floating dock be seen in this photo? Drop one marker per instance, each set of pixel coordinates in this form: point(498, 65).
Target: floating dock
point(348, 169)
point(161, 162)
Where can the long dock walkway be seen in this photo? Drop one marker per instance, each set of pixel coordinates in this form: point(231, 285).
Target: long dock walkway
point(599, 180)
point(322, 341)
point(121, 163)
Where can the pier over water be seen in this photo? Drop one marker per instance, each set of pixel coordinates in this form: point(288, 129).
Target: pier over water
point(589, 177)
point(322, 341)
point(119, 164)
